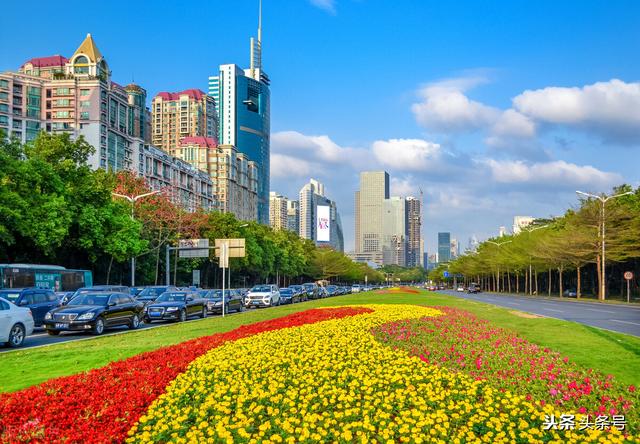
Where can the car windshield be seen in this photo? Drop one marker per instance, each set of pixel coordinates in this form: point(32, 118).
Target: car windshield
point(261, 288)
point(10, 296)
point(215, 294)
point(152, 291)
point(285, 291)
point(90, 299)
point(172, 297)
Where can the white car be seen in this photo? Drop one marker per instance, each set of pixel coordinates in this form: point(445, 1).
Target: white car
point(461, 288)
point(356, 288)
point(16, 323)
point(266, 295)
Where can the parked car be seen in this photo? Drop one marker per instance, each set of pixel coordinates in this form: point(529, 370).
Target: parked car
point(473, 288)
point(263, 296)
point(355, 288)
point(95, 289)
point(289, 296)
point(460, 288)
point(311, 288)
point(322, 293)
point(300, 291)
point(233, 301)
point(153, 291)
point(135, 291)
point(16, 323)
point(38, 300)
point(95, 312)
point(570, 293)
point(175, 306)
point(332, 290)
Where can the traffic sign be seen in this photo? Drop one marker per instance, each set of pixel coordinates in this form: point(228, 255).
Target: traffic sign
point(235, 247)
point(628, 275)
point(194, 243)
point(446, 274)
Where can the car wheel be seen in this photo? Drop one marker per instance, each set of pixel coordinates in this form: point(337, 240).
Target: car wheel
point(204, 313)
point(16, 335)
point(53, 332)
point(135, 322)
point(98, 328)
point(182, 316)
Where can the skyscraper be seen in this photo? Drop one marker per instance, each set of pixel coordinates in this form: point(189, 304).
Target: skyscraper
point(319, 217)
point(293, 216)
point(243, 101)
point(278, 216)
point(413, 224)
point(444, 247)
point(394, 229)
point(374, 189)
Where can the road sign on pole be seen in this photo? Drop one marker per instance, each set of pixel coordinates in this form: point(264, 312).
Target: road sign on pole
point(194, 243)
point(196, 278)
point(235, 247)
point(628, 275)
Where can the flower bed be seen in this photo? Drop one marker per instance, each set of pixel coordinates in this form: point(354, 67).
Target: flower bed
point(101, 405)
point(461, 342)
point(334, 382)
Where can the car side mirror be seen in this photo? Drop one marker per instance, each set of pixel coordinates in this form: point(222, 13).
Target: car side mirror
point(111, 304)
point(23, 303)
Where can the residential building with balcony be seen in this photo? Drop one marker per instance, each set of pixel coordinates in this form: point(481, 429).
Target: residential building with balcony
point(278, 216)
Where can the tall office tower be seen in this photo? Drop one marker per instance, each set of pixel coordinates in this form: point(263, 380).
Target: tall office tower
point(278, 214)
point(473, 243)
point(413, 224)
point(319, 217)
point(189, 113)
point(356, 201)
point(423, 254)
point(293, 216)
point(455, 248)
point(374, 189)
point(141, 117)
point(520, 222)
point(444, 247)
point(394, 231)
point(243, 101)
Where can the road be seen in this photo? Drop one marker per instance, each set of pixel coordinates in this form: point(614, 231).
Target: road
point(620, 318)
point(40, 338)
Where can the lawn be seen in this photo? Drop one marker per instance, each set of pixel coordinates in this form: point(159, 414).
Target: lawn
point(585, 345)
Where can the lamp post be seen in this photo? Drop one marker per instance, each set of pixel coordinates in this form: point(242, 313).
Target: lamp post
point(133, 200)
point(603, 200)
point(498, 245)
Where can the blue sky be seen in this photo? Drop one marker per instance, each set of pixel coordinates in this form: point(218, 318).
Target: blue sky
point(493, 108)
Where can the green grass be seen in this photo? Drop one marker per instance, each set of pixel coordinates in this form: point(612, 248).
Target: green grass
point(605, 351)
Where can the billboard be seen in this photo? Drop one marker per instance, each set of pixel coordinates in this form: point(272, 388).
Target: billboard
point(323, 220)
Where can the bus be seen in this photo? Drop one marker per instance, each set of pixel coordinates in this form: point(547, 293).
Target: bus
point(53, 277)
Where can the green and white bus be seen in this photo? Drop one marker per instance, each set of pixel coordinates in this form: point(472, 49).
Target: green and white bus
point(53, 277)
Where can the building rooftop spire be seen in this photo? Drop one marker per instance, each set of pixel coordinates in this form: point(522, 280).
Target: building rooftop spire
point(88, 47)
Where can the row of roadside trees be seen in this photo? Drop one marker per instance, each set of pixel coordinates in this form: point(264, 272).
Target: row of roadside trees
point(551, 256)
point(55, 209)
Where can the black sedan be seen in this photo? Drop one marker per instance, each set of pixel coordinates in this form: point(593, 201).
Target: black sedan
point(94, 312)
point(289, 296)
point(233, 301)
point(175, 306)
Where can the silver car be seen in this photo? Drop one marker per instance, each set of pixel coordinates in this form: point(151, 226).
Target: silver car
point(266, 295)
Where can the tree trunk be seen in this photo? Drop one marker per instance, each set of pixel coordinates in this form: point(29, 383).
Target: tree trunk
point(518, 283)
point(109, 270)
point(175, 267)
point(599, 273)
point(549, 283)
point(560, 280)
point(509, 281)
point(578, 289)
point(157, 264)
point(535, 274)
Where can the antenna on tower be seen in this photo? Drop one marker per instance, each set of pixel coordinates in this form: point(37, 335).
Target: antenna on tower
point(256, 46)
point(260, 21)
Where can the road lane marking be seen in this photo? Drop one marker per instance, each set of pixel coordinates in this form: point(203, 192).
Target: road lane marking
point(600, 311)
point(552, 309)
point(625, 322)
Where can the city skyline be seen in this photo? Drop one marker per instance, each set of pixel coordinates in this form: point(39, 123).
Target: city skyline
point(499, 138)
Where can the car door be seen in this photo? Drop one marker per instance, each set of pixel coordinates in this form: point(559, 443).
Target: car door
point(5, 320)
point(113, 312)
point(40, 306)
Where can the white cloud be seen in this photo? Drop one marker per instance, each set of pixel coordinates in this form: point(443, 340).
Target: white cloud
point(327, 5)
point(610, 108)
point(558, 174)
point(445, 108)
point(283, 166)
point(407, 154)
point(511, 123)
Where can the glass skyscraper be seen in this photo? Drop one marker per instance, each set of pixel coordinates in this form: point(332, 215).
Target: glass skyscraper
point(444, 247)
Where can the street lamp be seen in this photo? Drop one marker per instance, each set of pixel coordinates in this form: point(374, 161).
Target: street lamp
point(133, 200)
point(498, 245)
point(603, 200)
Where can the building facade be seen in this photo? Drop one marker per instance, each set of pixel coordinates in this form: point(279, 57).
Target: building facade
point(394, 231)
point(374, 189)
point(520, 222)
point(278, 212)
point(293, 216)
point(314, 206)
point(174, 116)
point(414, 228)
point(444, 247)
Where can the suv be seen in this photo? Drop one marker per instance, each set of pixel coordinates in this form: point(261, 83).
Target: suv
point(311, 288)
point(15, 323)
point(39, 300)
point(474, 288)
point(263, 296)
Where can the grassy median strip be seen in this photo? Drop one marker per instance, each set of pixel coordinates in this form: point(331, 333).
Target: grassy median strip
point(601, 350)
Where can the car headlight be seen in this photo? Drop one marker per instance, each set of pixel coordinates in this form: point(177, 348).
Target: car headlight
point(48, 316)
point(86, 316)
point(172, 309)
point(145, 309)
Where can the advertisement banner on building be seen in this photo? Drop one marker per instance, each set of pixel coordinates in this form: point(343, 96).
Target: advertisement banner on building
point(322, 224)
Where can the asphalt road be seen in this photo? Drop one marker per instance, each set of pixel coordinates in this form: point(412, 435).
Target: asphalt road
point(620, 318)
point(40, 337)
